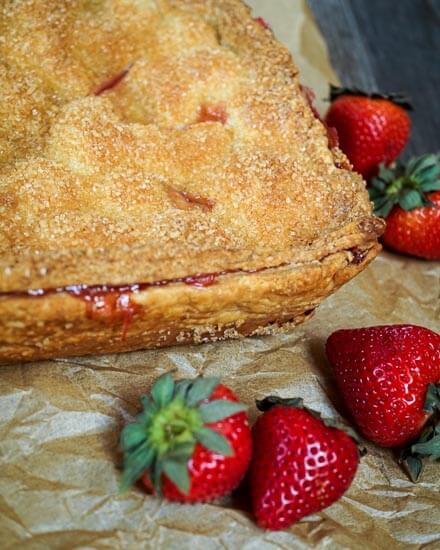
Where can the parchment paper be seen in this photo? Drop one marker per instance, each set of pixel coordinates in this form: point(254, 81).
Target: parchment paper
point(60, 420)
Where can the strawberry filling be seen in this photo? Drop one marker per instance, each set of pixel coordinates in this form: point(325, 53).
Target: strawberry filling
point(111, 82)
point(263, 22)
point(202, 280)
point(184, 200)
point(213, 113)
point(359, 255)
point(108, 304)
point(114, 304)
point(332, 134)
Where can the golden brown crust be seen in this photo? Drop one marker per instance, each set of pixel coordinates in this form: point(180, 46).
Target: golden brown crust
point(129, 186)
point(237, 305)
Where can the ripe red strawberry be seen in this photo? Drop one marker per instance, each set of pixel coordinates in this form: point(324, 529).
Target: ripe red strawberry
point(299, 466)
point(372, 129)
point(409, 198)
point(192, 441)
point(383, 374)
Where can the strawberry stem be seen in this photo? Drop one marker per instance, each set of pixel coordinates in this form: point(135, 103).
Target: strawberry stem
point(407, 186)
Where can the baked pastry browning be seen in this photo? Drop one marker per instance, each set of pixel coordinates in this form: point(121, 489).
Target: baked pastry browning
point(163, 180)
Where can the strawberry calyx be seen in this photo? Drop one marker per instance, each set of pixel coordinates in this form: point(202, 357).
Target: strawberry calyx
point(428, 445)
point(174, 419)
point(405, 185)
point(399, 98)
point(270, 401)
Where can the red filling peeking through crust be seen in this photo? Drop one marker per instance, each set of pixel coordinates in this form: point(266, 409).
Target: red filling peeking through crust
point(262, 22)
point(114, 304)
point(111, 82)
point(332, 134)
point(185, 200)
point(213, 113)
point(108, 304)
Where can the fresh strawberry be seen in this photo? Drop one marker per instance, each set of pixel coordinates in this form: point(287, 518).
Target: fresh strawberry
point(372, 129)
point(383, 374)
point(409, 198)
point(192, 441)
point(299, 466)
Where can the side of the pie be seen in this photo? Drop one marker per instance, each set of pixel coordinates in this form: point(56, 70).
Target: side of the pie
point(163, 180)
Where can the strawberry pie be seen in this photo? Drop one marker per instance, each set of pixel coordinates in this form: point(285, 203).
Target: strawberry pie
point(163, 180)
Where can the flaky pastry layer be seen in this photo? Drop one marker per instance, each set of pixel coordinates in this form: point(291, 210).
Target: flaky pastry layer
point(237, 305)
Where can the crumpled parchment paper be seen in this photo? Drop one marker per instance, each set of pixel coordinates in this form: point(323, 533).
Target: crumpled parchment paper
point(60, 420)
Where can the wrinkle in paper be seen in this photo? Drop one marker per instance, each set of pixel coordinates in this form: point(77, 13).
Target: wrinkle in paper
point(60, 420)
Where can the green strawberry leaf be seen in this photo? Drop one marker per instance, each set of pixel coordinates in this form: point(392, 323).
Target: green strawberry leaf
point(428, 444)
point(135, 464)
point(386, 174)
point(430, 448)
point(146, 401)
point(411, 199)
point(430, 173)
point(432, 401)
point(149, 410)
point(182, 387)
point(423, 163)
point(163, 390)
point(378, 184)
point(182, 452)
point(405, 185)
point(200, 390)
point(378, 199)
point(156, 474)
point(414, 467)
point(132, 435)
point(177, 472)
point(430, 186)
point(374, 193)
point(219, 409)
point(383, 207)
point(213, 441)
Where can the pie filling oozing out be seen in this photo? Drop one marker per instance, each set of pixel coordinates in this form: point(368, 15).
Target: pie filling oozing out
point(113, 303)
point(144, 141)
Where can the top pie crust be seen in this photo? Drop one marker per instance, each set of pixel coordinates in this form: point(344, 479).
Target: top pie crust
point(148, 140)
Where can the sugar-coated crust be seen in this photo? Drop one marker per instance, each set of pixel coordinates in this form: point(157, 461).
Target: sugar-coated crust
point(135, 185)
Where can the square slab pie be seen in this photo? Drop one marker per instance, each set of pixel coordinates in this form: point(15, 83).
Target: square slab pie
point(163, 180)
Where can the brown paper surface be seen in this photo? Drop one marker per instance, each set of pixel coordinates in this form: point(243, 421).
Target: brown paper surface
point(60, 420)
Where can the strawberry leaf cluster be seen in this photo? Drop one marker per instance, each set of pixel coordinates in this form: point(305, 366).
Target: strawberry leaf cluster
point(407, 186)
point(428, 444)
point(174, 419)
